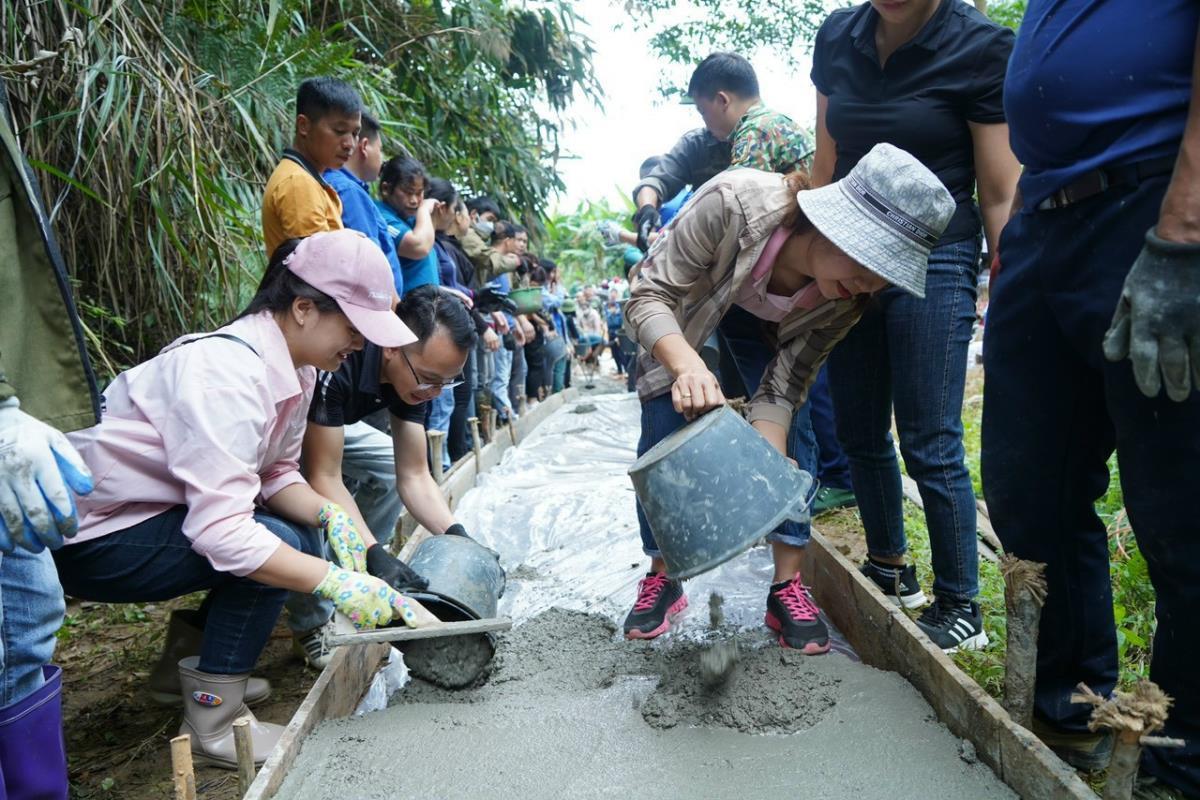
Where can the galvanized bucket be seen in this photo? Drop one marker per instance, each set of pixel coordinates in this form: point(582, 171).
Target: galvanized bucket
point(715, 487)
point(465, 582)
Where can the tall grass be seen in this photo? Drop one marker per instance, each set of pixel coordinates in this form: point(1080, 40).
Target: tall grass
point(156, 124)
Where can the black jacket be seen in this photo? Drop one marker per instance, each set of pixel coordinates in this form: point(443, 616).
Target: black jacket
point(695, 158)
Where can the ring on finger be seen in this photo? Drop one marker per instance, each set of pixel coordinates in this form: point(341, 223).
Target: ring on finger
point(685, 397)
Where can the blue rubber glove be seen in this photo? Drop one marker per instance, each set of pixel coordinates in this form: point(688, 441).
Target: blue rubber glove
point(1157, 322)
point(38, 471)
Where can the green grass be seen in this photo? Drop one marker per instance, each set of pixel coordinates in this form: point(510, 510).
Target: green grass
point(1133, 596)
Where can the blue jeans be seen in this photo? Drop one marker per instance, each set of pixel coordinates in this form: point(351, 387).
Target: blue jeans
point(516, 380)
point(502, 361)
point(911, 354)
point(440, 410)
point(833, 467)
point(744, 335)
point(1054, 411)
point(31, 611)
point(560, 374)
point(154, 561)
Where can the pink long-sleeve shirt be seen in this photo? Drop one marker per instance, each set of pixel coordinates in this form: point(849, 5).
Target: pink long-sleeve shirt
point(211, 425)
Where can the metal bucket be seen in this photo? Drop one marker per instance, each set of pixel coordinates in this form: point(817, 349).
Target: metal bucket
point(715, 487)
point(465, 582)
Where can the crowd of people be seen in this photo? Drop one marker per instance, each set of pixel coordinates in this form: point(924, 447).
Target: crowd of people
point(829, 280)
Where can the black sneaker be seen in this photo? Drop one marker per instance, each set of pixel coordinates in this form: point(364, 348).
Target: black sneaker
point(660, 601)
point(954, 625)
point(898, 584)
point(793, 614)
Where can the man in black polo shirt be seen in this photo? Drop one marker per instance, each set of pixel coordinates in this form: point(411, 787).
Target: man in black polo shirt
point(401, 381)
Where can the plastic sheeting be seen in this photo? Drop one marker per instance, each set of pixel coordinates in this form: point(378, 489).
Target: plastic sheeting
point(560, 511)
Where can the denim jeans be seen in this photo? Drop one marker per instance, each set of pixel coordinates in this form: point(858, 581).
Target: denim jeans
point(1054, 411)
point(744, 335)
point(911, 354)
point(154, 561)
point(516, 380)
point(31, 611)
point(560, 374)
point(502, 361)
point(833, 467)
point(440, 410)
point(458, 440)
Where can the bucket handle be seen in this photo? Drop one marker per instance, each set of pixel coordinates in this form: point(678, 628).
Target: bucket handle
point(801, 512)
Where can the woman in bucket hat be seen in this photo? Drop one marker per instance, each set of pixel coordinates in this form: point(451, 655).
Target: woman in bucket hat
point(804, 262)
point(197, 481)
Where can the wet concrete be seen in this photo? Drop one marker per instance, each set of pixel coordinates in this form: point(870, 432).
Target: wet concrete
point(571, 710)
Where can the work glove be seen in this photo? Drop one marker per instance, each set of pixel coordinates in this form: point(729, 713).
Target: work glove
point(610, 232)
point(1157, 322)
point(644, 222)
point(344, 539)
point(365, 600)
point(38, 471)
point(393, 571)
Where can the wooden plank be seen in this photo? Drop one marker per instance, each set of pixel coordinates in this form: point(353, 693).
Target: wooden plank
point(337, 692)
point(429, 632)
point(886, 638)
point(983, 528)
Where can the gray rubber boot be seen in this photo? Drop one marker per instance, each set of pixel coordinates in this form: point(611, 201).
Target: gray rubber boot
point(210, 705)
point(184, 637)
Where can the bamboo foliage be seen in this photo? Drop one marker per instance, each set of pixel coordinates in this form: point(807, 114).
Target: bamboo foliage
point(156, 124)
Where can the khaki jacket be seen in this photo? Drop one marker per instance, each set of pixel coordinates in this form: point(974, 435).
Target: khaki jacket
point(688, 280)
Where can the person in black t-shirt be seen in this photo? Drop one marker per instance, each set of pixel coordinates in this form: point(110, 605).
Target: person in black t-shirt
point(928, 77)
point(400, 381)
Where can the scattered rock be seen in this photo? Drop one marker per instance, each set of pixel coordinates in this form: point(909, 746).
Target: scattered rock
point(966, 751)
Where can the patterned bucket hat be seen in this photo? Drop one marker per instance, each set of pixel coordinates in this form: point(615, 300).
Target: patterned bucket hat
point(886, 214)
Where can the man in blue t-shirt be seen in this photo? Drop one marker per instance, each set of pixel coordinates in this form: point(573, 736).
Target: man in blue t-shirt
point(1093, 344)
point(358, 207)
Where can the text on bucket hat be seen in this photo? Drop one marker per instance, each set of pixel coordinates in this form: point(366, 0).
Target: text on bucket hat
point(887, 214)
point(351, 269)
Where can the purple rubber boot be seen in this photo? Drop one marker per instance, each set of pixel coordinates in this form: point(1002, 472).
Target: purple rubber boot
point(33, 755)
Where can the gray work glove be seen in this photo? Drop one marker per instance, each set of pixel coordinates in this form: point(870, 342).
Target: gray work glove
point(1157, 322)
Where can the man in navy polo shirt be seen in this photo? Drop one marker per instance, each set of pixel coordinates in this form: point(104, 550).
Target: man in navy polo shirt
point(358, 207)
point(1093, 345)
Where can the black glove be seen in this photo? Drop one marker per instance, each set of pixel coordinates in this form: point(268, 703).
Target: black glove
point(523, 267)
point(644, 222)
point(1157, 322)
point(457, 530)
point(393, 571)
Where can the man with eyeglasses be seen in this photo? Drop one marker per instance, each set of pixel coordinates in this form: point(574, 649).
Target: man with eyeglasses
point(390, 471)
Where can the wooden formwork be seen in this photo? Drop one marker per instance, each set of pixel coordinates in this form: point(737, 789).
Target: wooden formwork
point(881, 633)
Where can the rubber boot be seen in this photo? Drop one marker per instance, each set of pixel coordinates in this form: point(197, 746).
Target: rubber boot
point(33, 755)
point(210, 705)
point(185, 634)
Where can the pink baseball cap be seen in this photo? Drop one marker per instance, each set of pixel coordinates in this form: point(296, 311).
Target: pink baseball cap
point(351, 269)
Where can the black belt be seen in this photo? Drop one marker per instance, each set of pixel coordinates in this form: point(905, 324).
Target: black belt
point(1099, 180)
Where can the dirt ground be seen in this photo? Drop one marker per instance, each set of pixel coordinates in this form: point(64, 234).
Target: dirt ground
point(117, 740)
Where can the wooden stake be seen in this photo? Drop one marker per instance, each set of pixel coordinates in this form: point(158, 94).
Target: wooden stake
point(1024, 596)
point(1132, 717)
point(435, 453)
point(475, 442)
point(243, 745)
point(182, 772)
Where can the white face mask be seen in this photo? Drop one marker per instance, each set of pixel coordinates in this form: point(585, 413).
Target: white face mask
point(485, 228)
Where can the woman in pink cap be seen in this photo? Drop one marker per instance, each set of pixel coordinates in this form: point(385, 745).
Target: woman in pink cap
point(197, 482)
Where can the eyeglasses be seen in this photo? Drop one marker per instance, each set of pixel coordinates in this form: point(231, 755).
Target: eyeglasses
point(423, 386)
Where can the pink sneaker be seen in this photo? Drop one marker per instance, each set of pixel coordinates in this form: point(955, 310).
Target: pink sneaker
point(660, 601)
point(793, 614)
